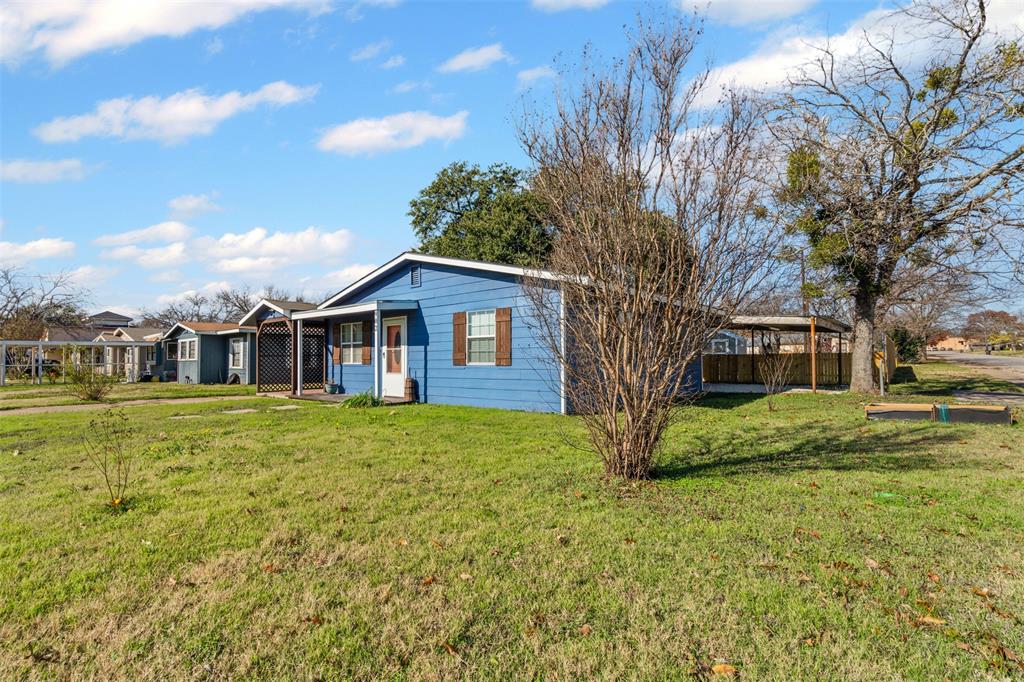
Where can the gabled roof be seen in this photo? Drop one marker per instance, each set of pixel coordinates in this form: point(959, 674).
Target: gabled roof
point(69, 334)
point(286, 308)
point(139, 333)
point(110, 315)
point(207, 328)
point(414, 257)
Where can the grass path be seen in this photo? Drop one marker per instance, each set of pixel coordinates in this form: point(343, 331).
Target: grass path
point(15, 396)
point(429, 542)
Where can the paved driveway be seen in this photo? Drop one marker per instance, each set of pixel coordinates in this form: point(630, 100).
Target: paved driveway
point(1005, 367)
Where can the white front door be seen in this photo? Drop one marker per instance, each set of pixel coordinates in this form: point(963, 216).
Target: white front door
point(394, 356)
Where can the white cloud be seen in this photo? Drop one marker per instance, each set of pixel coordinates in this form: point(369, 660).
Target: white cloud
point(560, 5)
point(330, 282)
point(528, 77)
point(171, 119)
point(215, 46)
point(369, 51)
point(169, 231)
point(355, 12)
point(393, 62)
point(27, 170)
point(476, 59)
point(13, 253)
point(191, 205)
point(158, 257)
point(166, 276)
point(399, 131)
point(91, 275)
point(64, 31)
point(409, 86)
point(740, 12)
point(259, 251)
point(784, 53)
point(207, 289)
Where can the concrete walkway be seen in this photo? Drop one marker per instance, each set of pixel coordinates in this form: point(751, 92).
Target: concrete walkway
point(82, 407)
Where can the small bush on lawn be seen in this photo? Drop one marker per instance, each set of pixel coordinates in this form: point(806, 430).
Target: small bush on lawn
point(109, 445)
point(365, 399)
point(85, 383)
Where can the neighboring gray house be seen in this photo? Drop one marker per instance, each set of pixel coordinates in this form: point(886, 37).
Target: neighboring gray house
point(209, 353)
point(727, 342)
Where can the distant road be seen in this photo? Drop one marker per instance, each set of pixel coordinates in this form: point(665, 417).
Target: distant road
point(1005, 367)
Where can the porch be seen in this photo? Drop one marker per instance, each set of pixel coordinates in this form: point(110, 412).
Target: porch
point(298, 352)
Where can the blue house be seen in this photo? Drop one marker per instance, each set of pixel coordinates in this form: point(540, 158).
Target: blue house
point(420, 327)
point(209, 353)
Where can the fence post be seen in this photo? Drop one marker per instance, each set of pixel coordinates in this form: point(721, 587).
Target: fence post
point(3, 364)
point(814, 359)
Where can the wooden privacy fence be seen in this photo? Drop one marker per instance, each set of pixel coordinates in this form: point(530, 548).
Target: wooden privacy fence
point(745, 369)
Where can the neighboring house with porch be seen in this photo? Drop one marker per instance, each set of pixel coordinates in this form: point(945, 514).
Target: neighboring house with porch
point(209, 353)
point(134, 362)
point(423, 327)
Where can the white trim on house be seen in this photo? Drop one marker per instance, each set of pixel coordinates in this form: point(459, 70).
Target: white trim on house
point(412, 257)
point(355, 309)
point(493, 335)
point(263, 302)
point(241, 353)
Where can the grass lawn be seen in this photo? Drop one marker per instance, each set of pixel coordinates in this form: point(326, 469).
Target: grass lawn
point(28, 395)
point(938, 378)
point(434, 542)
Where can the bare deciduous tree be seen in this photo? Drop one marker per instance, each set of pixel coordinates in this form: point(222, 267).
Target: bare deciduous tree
point(896, 159)
point(660, 229)
point(773, 365)
point(29, 303)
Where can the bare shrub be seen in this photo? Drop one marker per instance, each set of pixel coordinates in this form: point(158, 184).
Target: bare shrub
point(110, 443)
point(773, 366)
point(85, 381)
point(660, 230)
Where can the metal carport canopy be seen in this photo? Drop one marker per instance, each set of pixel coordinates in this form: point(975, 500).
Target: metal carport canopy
point(788, 323)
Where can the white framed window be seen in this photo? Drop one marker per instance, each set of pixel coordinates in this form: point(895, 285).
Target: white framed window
point(172, 350)
point(351, 343)
point(237, 354)
point(187, 350)
point(150, 354)
point(480, 342)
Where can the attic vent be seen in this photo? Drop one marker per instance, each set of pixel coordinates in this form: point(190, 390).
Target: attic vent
point(414, 276)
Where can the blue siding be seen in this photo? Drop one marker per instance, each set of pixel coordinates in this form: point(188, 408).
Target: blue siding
point(247, 372)
point(530, 383)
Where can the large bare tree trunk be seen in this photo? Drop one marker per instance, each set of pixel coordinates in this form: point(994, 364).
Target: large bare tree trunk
point(862, 366)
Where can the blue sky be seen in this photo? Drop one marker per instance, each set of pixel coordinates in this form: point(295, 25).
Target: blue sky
point(159, 150)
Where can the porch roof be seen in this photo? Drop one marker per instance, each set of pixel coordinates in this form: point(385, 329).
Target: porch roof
point(355, 309)
point(787, 323)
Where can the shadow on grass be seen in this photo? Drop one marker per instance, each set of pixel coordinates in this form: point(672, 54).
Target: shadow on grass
point(727, 401)
point(812, 447)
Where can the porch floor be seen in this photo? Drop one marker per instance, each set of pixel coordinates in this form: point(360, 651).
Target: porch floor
point(322, 397)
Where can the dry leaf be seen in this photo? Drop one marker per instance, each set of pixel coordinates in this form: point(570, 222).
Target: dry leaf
point(814, 484)
point(723, 669)
point(930, 620)
point(933, 577)
point(982, 592)
point(429, 580)
point(586, 629)
point(449, 648)
point(271, 568)
point(465, 576)
point(963, 645)
point(437, 544)
point(871, 563)
point(402, 542)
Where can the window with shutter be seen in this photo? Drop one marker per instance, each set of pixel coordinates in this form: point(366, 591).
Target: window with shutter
point(459, 338)
point(367, 341)
point(503, 337)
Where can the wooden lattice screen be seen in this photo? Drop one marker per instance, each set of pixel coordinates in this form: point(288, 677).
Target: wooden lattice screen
point(314, 338)
point(274, 361)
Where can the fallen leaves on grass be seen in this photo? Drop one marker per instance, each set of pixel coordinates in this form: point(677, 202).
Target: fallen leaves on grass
point(930, 621)
point(465, 576)
point(429, 580)
point(934, 577)
point(586, 629)
point(272, 568)
point(723, 669)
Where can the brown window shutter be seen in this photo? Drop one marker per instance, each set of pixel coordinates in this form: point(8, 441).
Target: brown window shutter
point(503, 337)
point(367, 341)
point(336, 340)
point(459, 338)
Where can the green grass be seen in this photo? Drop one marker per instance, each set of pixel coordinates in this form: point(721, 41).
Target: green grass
point(436, 542)
point(27, 395)
point(938, 378)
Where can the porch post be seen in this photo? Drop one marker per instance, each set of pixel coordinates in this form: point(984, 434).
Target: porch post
point(839, 360)
point(376, 352)
point(298, 357)
point(814, 360)
point(39, 364)
point(3, 364)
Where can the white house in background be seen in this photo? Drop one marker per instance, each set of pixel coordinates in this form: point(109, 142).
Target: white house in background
point(135, 361)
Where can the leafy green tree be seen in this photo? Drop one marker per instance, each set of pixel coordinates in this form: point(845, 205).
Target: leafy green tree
point(479, 213)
